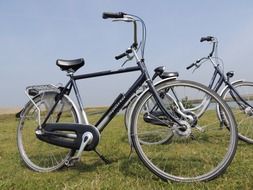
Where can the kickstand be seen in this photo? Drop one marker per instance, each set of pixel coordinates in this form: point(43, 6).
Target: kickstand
point(131, 151)
point(222, 124)
point(102, 157)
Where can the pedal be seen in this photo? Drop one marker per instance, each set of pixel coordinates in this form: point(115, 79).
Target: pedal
point(71, 162)
point(86, 139)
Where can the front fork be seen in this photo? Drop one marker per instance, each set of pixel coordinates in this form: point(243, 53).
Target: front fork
point(156, 95)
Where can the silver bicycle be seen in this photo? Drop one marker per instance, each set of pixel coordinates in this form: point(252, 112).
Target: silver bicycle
point(238, 94)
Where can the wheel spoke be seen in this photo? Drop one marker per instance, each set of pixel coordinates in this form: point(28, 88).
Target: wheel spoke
point(38, 155)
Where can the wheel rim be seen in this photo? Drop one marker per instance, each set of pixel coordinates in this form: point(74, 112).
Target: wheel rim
point(39, 155)
point(187, 159)
point(244, 113)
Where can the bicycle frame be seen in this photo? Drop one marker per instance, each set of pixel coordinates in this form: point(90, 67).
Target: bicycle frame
point(118, 103)
point(113, 109)
point(121, 99)
point(222, 79)
point(219, 76)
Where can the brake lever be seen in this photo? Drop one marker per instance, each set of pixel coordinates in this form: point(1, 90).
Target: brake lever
point(196, 65)
point(129, 58)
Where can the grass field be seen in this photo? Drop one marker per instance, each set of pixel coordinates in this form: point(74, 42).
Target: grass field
point(122, 173)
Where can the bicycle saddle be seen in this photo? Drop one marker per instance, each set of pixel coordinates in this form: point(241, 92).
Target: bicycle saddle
point(70, 65)
point(160, 71)
point(230, 74)
point(165, 75)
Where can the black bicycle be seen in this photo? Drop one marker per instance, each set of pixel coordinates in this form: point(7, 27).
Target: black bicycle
point(238, 94)
point(53, 131)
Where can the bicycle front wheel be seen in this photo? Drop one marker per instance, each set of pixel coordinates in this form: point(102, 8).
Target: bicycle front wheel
point(38, 155)
point(242, 110)
point(200, 151)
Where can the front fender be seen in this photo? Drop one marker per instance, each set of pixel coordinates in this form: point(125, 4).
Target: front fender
point(138, 97)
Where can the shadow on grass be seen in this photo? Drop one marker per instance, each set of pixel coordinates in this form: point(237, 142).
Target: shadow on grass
point(133, 168)
point(129, 167)
point(79, 166)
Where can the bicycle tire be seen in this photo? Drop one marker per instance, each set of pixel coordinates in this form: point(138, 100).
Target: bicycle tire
point(36, 154)
point(243, 116)
point(128, 109)
point(198, 156)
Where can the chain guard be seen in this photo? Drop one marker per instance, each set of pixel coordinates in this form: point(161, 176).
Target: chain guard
point(57, 134)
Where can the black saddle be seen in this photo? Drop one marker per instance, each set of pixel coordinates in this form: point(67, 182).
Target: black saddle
point(70, 65)
point(160, 71)
point(165, 75)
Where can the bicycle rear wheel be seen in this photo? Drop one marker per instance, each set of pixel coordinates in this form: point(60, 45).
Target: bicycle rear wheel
point(243, 113)
point(38, 155)
point(199, 152)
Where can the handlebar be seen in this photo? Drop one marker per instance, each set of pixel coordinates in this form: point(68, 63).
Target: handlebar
point(208, 39)
point(107, 15)
point(120, 56)
point(190, 66)
point(199, 62)
point(195, 64)
point(120, 16)
point(211, 39)
point(128, 51)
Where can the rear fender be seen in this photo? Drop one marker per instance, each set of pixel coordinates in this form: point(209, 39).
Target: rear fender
point(234, 82)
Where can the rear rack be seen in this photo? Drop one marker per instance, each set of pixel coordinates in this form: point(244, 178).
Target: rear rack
point(34, 90)
point(37, 89)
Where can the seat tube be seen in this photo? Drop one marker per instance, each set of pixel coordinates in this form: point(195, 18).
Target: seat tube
point(84, 119)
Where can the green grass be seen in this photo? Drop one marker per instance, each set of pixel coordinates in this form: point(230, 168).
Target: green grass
point(122, 173)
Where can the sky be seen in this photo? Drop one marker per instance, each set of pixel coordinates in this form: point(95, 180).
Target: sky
point(34, 34)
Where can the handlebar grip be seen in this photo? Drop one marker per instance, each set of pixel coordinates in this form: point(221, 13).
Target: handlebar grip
point(113, 15)
point(120, 56)
point(208, 39)
point(190, 66)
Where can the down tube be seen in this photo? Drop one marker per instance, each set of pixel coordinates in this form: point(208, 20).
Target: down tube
point(118, 103)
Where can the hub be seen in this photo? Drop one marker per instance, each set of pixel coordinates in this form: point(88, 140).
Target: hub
point(182, 131)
